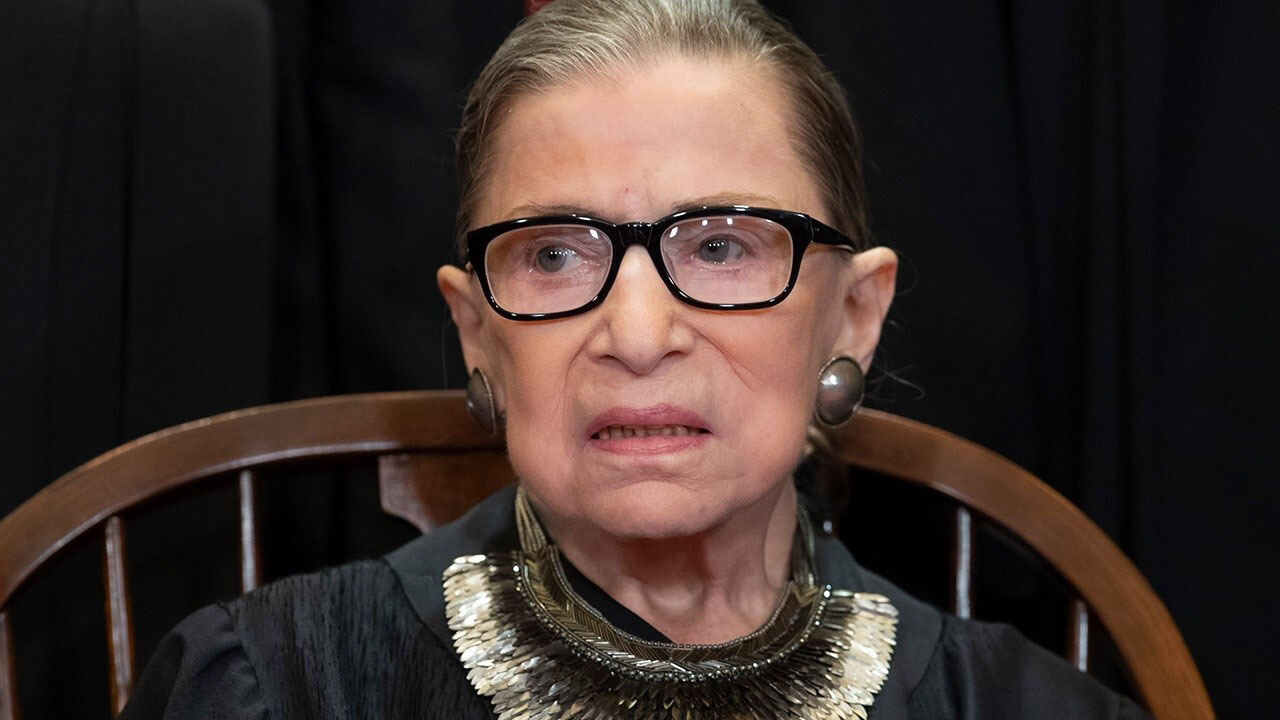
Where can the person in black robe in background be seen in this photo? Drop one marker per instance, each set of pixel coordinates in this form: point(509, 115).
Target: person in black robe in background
point(655, 406)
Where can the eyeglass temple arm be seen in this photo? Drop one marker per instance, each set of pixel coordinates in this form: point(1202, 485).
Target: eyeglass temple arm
point(824, 234)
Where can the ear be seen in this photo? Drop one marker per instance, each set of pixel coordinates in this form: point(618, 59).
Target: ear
point(461, 293)
point(868, 292)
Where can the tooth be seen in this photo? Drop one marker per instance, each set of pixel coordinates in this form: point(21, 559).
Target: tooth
point(626, 431)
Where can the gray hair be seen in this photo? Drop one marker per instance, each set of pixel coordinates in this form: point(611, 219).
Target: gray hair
point(569, 39)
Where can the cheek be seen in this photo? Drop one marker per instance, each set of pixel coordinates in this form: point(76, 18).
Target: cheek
point(532, 369)
point(774, 360)
point(778, 353)
point(528, 360)
point(780, 358)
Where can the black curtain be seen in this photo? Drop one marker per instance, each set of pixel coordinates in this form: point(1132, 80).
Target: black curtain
point(211, 204)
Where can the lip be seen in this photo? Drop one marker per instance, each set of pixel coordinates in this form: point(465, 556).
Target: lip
point(663, 414)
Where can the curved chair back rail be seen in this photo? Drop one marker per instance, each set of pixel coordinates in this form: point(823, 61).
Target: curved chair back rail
point(404, 429)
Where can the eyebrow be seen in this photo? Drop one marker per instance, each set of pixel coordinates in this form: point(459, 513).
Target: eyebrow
point(722, 198)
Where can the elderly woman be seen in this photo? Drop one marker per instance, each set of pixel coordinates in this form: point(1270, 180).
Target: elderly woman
point(668, 292)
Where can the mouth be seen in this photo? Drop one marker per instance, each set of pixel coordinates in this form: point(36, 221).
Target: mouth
point(613, 432)
point(652, 430)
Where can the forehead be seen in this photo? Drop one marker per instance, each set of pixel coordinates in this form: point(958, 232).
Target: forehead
point(643, 141)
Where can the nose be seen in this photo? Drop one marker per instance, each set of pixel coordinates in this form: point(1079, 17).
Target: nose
point(641, 319)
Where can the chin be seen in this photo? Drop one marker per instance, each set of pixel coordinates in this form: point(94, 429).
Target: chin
point(656, 510)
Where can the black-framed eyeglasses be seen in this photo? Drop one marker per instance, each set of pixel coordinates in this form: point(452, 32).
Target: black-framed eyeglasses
point(719, 258)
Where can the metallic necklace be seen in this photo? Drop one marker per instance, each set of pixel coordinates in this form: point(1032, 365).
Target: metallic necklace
point(538, 650)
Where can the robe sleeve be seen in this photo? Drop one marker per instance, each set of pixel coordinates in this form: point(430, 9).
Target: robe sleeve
point(200, 670)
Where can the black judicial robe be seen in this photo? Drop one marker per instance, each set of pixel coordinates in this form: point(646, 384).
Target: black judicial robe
point(370, 640)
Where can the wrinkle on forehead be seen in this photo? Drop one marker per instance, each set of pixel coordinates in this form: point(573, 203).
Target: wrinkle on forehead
point(638, 145)
point(726, 198)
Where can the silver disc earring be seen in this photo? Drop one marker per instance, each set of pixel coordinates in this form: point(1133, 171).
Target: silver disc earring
point(480, 402)
point(841, 387)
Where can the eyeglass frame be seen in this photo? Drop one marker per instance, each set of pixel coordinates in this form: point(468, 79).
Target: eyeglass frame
point(803, 229)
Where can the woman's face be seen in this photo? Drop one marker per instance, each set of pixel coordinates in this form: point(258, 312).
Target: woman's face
point(635, 147)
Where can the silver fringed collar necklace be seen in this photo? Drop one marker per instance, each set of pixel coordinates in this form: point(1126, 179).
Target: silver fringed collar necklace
point(538, 650)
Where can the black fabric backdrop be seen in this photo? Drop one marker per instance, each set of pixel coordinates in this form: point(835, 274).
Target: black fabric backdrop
point(210, 204)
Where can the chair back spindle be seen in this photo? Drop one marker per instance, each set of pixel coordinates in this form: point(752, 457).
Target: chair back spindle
point(8, 672)
point(962, 562)
point(1078, 634)
point(119, 613)
point(250, 554)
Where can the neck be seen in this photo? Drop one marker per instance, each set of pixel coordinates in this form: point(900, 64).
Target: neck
point(710, 587)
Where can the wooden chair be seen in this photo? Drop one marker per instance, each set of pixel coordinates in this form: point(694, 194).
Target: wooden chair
point(433, 464)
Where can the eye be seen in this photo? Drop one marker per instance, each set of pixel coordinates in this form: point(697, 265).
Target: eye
point(720, 249)
point(556, 258)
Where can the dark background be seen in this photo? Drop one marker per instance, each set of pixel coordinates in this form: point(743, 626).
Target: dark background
point(211, 204)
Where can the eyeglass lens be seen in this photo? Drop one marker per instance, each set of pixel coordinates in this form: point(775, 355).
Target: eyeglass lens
point(722, 260)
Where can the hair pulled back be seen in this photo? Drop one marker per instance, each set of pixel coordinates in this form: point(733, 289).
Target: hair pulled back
point(571, 39)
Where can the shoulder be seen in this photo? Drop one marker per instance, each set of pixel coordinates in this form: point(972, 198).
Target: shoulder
point(946, 668)
point(199, 670)
point(357, 603)
point(380, 601)
point(320, 645)
point(358, 640)
point(990, 671)
point(354, 589)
